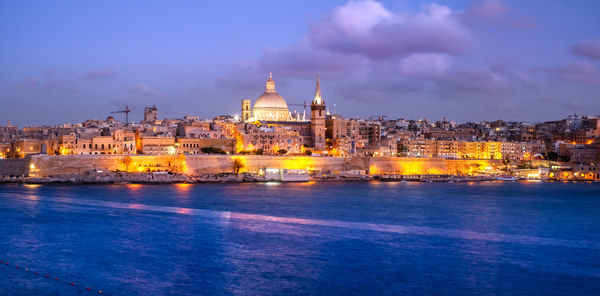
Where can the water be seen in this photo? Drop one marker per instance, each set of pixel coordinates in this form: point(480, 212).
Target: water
point(301, 239)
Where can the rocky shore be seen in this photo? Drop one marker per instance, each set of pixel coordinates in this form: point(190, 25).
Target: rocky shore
point(94, 177)
point(135, 178)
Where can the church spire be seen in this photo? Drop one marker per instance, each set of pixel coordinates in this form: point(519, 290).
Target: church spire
point(318, 99)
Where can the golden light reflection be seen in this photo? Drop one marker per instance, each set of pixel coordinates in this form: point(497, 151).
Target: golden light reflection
point(183, 187)
point(32, 185)
point(134, 186)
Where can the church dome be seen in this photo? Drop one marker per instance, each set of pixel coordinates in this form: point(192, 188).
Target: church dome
point(270, 100)
point(270, 106)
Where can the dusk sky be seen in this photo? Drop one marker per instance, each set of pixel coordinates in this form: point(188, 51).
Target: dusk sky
point(68, 61)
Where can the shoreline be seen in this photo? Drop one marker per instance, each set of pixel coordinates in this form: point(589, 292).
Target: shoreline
point(117, 178)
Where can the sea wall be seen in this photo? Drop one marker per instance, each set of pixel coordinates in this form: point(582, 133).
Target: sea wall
point(52, 165)
point(46, 165)
point(253, 163)
point(14, 167)
point(430, 166)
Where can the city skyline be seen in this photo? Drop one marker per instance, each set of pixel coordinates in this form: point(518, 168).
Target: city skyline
point(474, 60)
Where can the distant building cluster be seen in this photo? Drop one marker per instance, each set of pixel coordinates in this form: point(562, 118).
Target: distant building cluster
point(268, 127)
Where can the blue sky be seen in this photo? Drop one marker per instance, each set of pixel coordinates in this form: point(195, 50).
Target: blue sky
point(67, 61)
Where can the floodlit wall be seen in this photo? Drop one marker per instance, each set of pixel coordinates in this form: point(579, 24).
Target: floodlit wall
point(49, 165)
point(430, 166)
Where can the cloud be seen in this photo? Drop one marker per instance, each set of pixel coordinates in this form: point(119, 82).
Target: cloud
point(425, 64)
point(367, 28)
point(574, 73)
point(50, 85)
point(371, 54)
point(488, 9)
point(304, 61)
point(99, 74)
point(588, 48)
point(496, 12)
point(474, 80)
point(142, 89)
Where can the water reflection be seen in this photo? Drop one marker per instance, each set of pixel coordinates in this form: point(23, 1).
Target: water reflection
point(183, 187)
point(390, 228)
point(134, 187)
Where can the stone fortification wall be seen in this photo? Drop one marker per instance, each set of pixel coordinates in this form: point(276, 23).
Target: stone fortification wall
point(46, 165)
point(253, 163)
point(52, 165)
point(14, 167)
point(429, 166)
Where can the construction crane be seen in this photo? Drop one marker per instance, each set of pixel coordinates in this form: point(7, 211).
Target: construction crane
point(126, 111)
point(302, 105)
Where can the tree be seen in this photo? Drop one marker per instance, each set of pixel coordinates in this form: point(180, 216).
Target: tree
point(258, 152)
point(126, 161)
point(212, 150)
point(308, 152)
point(238, 164)
point(552, 155)
point(282, 151)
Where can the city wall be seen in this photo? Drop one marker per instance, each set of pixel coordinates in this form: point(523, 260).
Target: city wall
point(45, 165)
point(14, 167)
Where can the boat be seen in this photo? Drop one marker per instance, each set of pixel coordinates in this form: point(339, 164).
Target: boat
point(286, 175)
point(506, 178)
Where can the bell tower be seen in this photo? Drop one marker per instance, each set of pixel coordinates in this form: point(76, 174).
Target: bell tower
point(246, 110)
point(317, 119)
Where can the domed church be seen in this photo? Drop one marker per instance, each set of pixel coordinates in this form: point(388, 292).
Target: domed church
point(270, 106)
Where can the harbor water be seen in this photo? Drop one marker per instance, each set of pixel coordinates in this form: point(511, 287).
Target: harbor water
point(364, 238)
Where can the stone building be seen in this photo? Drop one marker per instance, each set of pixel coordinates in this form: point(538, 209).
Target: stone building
point(155, 145)
point(271, 140)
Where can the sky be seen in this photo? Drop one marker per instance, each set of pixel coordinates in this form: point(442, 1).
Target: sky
point(68, 61)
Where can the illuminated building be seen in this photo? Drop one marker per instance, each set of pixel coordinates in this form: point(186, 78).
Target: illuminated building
point(271, 139)
point(63, 145)
point(22, 148)
point(155, 145)
point(341, 134)
point(195, 145)
point(447, 149)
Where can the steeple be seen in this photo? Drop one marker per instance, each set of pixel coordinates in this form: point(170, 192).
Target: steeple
point(270, 84)
point(318, 99)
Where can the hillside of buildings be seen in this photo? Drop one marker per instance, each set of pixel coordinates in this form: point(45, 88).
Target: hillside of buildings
point(268, 128)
